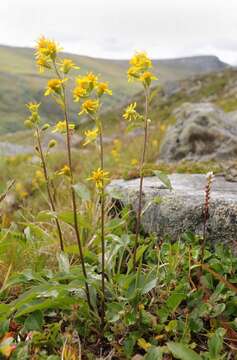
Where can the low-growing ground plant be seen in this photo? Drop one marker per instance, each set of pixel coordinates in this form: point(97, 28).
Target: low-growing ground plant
point(106, 290)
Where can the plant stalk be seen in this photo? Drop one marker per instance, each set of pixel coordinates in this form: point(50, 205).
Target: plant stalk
point(141, 173)
point(73, 194)
point(51, 200)
point(102, 200)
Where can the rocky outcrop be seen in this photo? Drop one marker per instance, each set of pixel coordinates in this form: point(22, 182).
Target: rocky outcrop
point(202, 132)
point(172, 212)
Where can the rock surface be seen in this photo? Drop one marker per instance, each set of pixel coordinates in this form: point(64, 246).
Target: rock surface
point(181, 209)
point(202, 132)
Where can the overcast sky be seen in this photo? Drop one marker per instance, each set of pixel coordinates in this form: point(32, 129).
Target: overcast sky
point(115, 28)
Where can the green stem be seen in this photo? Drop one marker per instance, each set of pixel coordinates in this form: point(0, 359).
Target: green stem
point(52, 204)
point(141, 172)
point(102, 199)
point(73, 194)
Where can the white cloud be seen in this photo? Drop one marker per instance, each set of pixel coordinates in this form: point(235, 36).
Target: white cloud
point(115, 28)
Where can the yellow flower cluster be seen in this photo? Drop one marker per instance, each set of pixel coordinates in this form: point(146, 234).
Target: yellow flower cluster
point(64, 171)
point(91, 135)
point(46, 53)
point(54, 86)
point(34, 117)
point(131, 113)
point(61, 127)
point(99, 177)
point(90, 106)
point(84, 86)
point(139, 69)
point(88, 87)
point(66, 65)
point(103, 88)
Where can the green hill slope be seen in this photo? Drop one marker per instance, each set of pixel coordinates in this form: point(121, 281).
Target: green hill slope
point(21, 83)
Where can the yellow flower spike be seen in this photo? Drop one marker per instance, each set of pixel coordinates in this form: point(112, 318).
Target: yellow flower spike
point(91, 135)
point(99, 177)
point(140, 64)
point(103, 88)
point(64, 171)
point(54, 86)
point(90, 106)
point(34, 117)
point(147, 78)
point(130, 112)
point(67, 64)
point(47, 48)
point(61, 127)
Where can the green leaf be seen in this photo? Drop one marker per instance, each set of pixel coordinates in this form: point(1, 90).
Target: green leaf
point(35, 233)
point(175, 299)
point(182, 351)
point(4, 327)
point(46, 215)
point(129, 343)
point(154, 353)
point(163, 178)
point(34, 321)
point(215, 343)
point(140, 251)
point(82, 191)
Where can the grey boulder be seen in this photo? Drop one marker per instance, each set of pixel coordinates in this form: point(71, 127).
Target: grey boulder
point(202, 132)
point(173, 212)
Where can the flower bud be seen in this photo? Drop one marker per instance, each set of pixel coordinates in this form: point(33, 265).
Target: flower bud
point(52, 143)
point(45, 127)
point(28, 124)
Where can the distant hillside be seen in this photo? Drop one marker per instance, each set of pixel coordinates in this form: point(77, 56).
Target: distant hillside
point(21, 83)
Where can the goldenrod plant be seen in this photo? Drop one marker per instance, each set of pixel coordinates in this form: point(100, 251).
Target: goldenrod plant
point(92, 89)
point(47, 57)
point(139, 71)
